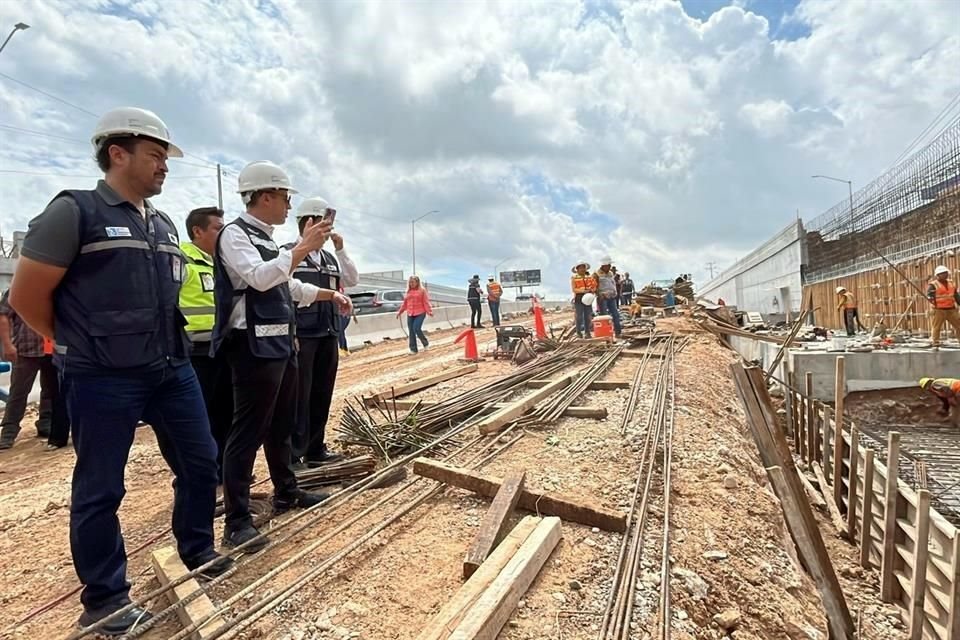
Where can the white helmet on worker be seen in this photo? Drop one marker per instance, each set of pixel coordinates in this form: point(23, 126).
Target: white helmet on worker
point(941, 269)
point(133, 121)
point(582, 262)
point(260, 176)
point(491, 277)
point(606, 260)
point(313, 207)
point(841, 289)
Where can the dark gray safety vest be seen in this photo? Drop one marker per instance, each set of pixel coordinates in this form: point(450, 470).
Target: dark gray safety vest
point(320, 319)
point(271, 320)
point(116, 307)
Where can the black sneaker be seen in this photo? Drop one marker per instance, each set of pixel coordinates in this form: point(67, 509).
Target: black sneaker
point(118, 627)
point(300, 499)
point(221, 566)
point(237, 537)
point(325, 457)
point(7, 437)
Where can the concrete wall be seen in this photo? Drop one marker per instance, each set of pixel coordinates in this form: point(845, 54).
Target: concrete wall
point(766, 280)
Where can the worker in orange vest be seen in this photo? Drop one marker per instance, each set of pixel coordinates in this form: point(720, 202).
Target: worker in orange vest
point(494, 293)
point(583, 284)
point(851, 317)
point(948, 391)
point(942, 294)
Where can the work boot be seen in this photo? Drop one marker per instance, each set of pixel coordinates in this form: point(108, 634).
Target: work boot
point(235, 537)
point(299, 499)
point(326, 457)
point(7, 437)
point(115, 628)
point(221, 566)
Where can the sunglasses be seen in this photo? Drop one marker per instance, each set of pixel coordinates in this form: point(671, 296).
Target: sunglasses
point(281, 192)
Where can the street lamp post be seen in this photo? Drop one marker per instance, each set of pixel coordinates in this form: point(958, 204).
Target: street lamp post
point(849, 188)
point(413, 237)
point(20, 26)
point(497, 266)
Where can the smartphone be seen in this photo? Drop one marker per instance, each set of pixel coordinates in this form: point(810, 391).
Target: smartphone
point(330, 215)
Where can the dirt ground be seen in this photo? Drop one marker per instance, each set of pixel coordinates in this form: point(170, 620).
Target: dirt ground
point(730, 550)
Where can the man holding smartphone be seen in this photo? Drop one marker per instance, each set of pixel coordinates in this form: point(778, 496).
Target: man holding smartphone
point(318, 327)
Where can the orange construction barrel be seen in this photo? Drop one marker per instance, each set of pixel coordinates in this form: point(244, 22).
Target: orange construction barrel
point(603, 327)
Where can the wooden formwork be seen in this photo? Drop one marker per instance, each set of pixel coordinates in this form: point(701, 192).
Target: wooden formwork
point(915, 549)
point(884, 294)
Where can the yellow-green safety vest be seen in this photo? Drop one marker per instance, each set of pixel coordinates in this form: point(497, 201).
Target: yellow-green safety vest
point(196, 293)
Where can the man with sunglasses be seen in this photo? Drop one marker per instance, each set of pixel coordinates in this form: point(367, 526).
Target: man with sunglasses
point(318, 326)
point(255, 292)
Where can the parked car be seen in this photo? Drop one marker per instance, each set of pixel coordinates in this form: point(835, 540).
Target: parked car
point(525, 296)
point(386, 301)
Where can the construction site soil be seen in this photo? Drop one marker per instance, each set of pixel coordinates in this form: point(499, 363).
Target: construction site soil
point(730, 551)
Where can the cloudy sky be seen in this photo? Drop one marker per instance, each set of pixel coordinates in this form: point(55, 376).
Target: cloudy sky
point(667, 134)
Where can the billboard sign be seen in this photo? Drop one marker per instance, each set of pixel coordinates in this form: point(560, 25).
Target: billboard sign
point(522, 278)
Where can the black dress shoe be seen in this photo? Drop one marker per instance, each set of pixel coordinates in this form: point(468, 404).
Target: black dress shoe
point(300, 499)
point(326, 457)
point(242, 535)
point(118, 627)
point(221, 565)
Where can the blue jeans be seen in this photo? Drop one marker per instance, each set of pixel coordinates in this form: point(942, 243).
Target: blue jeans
point(584, 315)
point(495, 311)
point(104, 408)
point(415, 330)
point(611, 307)
point(342, 335)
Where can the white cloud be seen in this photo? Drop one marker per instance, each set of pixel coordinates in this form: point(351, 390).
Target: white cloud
point(685, 140)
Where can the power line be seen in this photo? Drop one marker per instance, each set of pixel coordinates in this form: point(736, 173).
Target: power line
point(49, 95)
point(70, 175)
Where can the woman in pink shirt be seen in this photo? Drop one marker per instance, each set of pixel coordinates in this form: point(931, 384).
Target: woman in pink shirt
point(417, 305)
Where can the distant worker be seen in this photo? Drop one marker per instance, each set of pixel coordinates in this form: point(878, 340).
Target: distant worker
point(100, 271)
point(197, 305)
point(416, 303)
point(256, 320)
point(584, 288)
point(607, 298)
point(670, 299)
point(948, 391)
point(851, 316)
point(494, 293)
point(318, 325)
point(626, 286)
point(474, 295)
point(944, 297)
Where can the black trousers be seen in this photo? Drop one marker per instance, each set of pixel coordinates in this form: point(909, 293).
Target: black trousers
point(476, 312)
point(264, 413)
point(217, 388)
point(319, 359)
point(22, 377)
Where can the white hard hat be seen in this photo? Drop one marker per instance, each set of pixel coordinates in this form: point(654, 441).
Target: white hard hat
point(588, 299)
point(840, 289)
point(132, 121)
point(491, 277)
point(606, 260)
point(582, 262)
point(940, 269)
point(261, 175)
point(312, 207)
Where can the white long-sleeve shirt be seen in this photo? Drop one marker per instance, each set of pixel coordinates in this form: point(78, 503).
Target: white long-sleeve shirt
point(349, 275)
point(246, 268)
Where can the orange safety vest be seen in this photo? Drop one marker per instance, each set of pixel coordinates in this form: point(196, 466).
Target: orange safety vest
point(584, 283)
point(944, 295)
point(946, 388)
point(494, 290)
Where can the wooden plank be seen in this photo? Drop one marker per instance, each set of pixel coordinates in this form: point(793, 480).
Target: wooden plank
point(866, 526)
point(168, 567)
point(597, 413)
point(639, 353)
point(539, 502)
point(953, 626)
point(887, 584)
point(835, 518)
point(801, 421)
point(452, 612)
point(494, 522)
point(599, 385)
point(918, 582)
point(815, 498)
point(818, 430)
point(576, 411)
point(491, 612)
point(502, 417)
point(827, 438)
point(422, 383)
point(838, 434)
point(852, 489)
point(811, 416)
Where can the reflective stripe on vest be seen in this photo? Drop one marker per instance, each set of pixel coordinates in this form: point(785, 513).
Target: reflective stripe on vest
point(944, 295)
point(196, 294)
point(584, 282)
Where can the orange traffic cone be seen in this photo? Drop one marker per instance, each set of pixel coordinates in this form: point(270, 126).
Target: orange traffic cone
point(469, 346)
point(538, 322)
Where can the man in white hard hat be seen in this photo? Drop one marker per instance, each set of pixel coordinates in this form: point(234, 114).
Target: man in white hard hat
point(318, 326)
point(608, 297)
point(100, 270)
point(255, 294)
point(942, 294)
point(847, 305)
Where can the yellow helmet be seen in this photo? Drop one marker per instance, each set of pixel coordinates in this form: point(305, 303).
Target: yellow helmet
point(925, 382)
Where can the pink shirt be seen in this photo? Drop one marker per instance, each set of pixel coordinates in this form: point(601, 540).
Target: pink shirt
point(416, 302)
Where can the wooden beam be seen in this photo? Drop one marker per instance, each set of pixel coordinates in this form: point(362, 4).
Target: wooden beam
point(887, 579)
point(536, 501)
point(599, 385)
point(576, 411)
point(811, 414)
point(827, 441)
point(835, 518)
point(802, 434)
point(502, 417)
point(494, 522)
point(452, 612)
point(422, 383)
point(639, 353)
point(815, 498)
point(852, 485)
point(597, 413)
point(953, 626)
point(840, 394)
point(866, 524)
point(921, 550)
point(168, 567)
point(492, 611)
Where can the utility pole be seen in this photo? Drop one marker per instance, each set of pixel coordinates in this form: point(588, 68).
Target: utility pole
point(710, 267)
point(219, 187)
point(20, 26)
